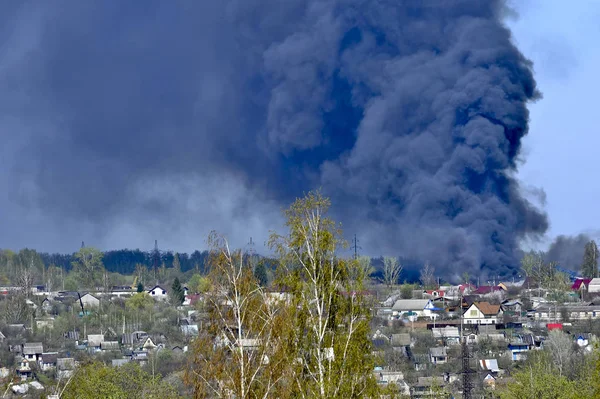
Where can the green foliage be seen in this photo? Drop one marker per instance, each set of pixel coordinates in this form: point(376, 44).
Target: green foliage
point(140, 287)
point(329, 330)
point(140, 302)
point(88, 267)
point(96, 380)
point(589, 267)
point(406, 291)
point(557, 372)
point(198, 284)
point(176, 263)
point(177, 293)
point(260, 273)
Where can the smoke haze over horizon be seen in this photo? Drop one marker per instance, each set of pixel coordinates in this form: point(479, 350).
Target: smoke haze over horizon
point(122, 124)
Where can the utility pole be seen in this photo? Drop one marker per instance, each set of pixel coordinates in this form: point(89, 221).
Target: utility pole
point(355, 247)
point(467, 384)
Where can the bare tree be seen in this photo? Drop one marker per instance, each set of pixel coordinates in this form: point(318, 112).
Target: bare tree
point(560, 346)
point(391, 271)
point(25, 280)
point(15, 309)
point(427, 276)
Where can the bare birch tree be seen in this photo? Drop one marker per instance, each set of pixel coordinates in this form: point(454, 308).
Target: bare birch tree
point(427, 276)
point(330, 334)
point(242, 353)
point(391, 271)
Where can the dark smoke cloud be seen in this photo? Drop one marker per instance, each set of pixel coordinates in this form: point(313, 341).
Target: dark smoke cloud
point(568, 251)
point(123, 119)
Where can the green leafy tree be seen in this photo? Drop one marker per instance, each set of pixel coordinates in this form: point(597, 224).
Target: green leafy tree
point(539, 379)
point(177, 292)
point(176, 264)
point(88, 266)
point(260, 273)
point(141, 302)
point(140, 287)
point(96, 380)
point(242, 354)
point(331, 346)
point(406, 291)
point(589, 267)
point(199, 284)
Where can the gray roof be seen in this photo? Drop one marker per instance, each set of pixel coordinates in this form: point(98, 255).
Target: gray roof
point(402, 339)
point(110, 345)
point(404, 305)
point(65, 363)
point(32, 348)
point(446, 332)
point(120, 362)
point(487, 329)
point(95, 339)
point(50, 357)
point(438, 352)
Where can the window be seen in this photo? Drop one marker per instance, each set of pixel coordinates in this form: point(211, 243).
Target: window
point(164, 292)
point(473, 313)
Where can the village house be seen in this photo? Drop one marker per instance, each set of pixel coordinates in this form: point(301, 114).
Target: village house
point(594, 285)
point(549, 312)
point(94, 342)
point(447, 335)
point(24, 370)
point(489, 331)
point(158, 292)
point(420, 307)
point(90, 301)
point(482, 313)
point(110, 346)
point(438, 355)
point(489, 381)
point(48, 361)
point(385, 377)
point(581, 284)
point(427, 387)
point(65, 367)
point(32, 351)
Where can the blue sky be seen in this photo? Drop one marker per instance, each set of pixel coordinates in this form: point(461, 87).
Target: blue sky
point(562, 147)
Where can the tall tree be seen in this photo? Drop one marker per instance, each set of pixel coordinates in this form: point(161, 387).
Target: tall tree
point(260, 273)
point(391, 271)
point(242, 353)
point(140, 287)
point(330, 334)
point(177, 293)
point(87, 263)
point(176, 264)
point(589, 267)
point(427, 276)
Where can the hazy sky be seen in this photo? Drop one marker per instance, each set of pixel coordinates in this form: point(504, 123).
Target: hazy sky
point(563, 145)
point(121, 125)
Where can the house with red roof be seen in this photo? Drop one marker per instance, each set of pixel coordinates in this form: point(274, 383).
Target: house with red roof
point(581, 284)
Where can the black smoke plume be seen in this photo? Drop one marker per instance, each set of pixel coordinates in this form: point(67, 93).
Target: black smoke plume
point(568, 251)
point(168, 119)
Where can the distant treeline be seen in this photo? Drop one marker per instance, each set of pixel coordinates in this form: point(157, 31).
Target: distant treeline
point(123, 261)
